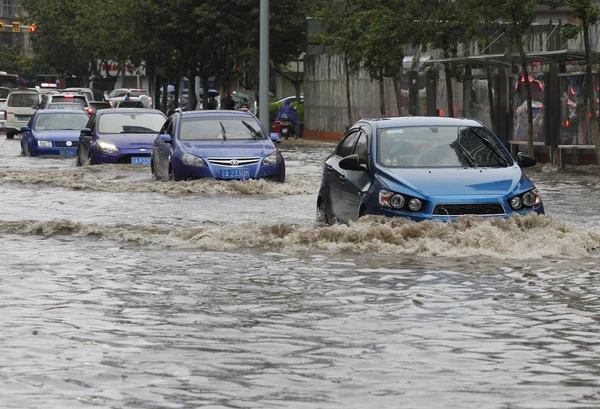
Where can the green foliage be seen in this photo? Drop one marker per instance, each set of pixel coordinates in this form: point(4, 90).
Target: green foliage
point(569, 31)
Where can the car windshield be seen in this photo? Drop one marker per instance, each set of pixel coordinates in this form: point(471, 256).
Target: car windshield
point(130, 122)
point(22, 100)
point(70, 121)
point(65, 105)
point(440, 146)
point(139, 93)
point(69, 99)
point(220, 128)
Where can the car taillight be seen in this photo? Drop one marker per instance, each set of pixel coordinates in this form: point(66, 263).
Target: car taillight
point(5, 116)
point(111, 104)
point(90, 111)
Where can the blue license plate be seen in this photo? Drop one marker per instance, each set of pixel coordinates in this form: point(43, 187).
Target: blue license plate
point(235, 173)
point(22, 118)
point(140, 160)
point(68, 152)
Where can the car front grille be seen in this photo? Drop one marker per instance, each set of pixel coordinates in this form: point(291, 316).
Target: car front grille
point(233, 161)
point(466, 209)
point(63, 144)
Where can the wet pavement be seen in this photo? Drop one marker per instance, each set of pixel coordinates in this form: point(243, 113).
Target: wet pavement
point(117, 291)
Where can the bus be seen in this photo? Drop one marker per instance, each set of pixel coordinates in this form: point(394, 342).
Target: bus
point(46, 80)
point(9, 80)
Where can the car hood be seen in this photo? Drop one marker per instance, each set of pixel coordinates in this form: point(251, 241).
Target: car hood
point(131, 139)
point(228, 148)
point(456, 182)
point(58, 135)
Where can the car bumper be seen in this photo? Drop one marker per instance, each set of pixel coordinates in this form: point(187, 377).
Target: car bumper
point(185, 172)
point(124, 156)
point(54, 151)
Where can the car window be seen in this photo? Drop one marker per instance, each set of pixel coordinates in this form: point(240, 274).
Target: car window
point(66, 121)
point(362, 149)
point(130, 122)
point(22, 100)
point(119, 93)
point(347, 145)
point(220, 128)
point(72, 99)
point(4, 92)
point(139, 93)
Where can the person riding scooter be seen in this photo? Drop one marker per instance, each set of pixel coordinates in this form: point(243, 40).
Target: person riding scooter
point(288, 120)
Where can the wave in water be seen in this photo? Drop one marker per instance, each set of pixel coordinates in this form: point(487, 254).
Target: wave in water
point(519, 237)
point(106, 179)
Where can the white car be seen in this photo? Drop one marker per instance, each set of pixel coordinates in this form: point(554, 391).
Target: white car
point(118, 94)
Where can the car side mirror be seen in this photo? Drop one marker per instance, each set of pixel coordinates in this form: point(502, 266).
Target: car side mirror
point(525, 161)
point(165, 137)
point(25, 129)
point(351, 162)
point(275, 137)
point(85, 132)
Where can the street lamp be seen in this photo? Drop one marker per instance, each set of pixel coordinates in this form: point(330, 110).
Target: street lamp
point(263, 86)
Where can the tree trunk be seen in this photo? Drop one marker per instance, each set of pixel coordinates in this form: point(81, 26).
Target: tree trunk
point(381, 98)
point(490, 87)
point(398, 93)
point(528, 96)
point(591, 87)
point(348, 101)
point(192, 98)
point(449, 92)
point(165, 94)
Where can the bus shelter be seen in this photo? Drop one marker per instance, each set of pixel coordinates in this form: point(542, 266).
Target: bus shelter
point(560, 107)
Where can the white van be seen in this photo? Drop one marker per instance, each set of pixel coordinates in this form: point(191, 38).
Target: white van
point(20, 106)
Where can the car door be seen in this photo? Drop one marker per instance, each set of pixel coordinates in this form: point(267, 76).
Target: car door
point(85, 141)
point(355, 183)
point(335, 173)
point(162, 150)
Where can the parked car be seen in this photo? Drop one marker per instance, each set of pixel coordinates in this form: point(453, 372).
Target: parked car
point(424, 168)
point(53, 132)
point(215, 144)
point(121, 135)
point(19, 109)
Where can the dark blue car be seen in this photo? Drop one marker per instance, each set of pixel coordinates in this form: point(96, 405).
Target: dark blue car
point(120, 135)
point(53, 132)
point(424, 168)
point(215, 144)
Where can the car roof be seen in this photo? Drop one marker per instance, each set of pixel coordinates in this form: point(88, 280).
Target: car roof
point(399, 121)
point(130, 111)
point(60, 111)
point(216, 112)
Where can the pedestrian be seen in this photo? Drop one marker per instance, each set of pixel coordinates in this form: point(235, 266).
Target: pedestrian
point(212, 102)
point(229, 102)
point(127, 96)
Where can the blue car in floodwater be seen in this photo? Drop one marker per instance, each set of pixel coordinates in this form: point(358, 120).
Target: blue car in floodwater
point(424, 168)
point(119, 135)
point(215, 144)
point(53, 132)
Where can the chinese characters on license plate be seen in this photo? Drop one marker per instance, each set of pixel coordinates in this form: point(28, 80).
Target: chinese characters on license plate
point(235, 173)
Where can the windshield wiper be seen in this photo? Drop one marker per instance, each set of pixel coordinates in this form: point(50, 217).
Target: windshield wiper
point(490, 146)
point(255, 134)
point(471, 159)
point(223, 131)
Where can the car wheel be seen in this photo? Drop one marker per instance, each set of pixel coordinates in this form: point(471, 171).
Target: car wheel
point(324, 215)
point(27, 149)
point(10, 135)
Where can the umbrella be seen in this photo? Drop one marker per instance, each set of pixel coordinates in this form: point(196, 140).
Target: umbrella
point(211, 92)
point(240, 95)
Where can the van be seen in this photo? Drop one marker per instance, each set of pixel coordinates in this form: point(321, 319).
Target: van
point(20, 106)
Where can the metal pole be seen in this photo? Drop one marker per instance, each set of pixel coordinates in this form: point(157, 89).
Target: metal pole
point(263, 98)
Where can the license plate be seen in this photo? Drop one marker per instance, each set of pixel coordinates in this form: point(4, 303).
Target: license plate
point(22, 118)
point(140, 160)
point(68, 152)
point(235, 173)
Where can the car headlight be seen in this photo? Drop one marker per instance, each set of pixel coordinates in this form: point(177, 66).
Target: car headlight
point(531, 198)
point(44, 144)
point(516, 203)
point(192, 160)
point(272, 159)
point(397, 201)
point(415, 204)
point(107, 147)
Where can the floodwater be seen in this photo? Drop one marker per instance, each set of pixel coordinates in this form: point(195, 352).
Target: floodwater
point(117, 291)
